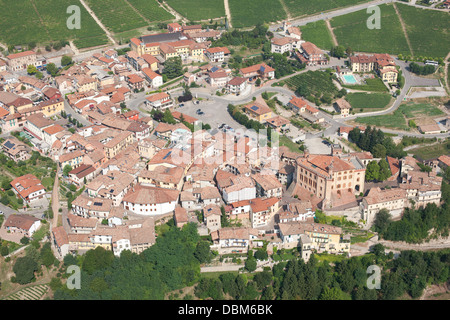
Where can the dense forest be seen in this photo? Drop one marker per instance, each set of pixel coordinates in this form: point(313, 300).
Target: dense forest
point(375, 141)
point(173, 262)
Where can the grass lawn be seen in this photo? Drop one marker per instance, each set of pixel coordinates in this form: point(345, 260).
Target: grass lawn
point(361, 237)
point(40, 234)
point(351, 31)
point(331, 258)
point(317, 33)
point(196, 10)
point(400, 117)
point(306, 7)
point(427, 31)
point(362, 100)
point(216, 275)
point(431, 152)
point(251, 12)
point(373, 85)
point(285, 141)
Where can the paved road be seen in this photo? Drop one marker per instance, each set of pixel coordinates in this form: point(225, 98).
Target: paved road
point(330, 14)
point(339, 12)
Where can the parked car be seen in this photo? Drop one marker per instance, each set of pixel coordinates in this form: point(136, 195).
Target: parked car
point(181, 105)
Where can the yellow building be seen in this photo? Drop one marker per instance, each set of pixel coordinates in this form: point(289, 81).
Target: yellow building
point(52, 107)
point(313, 237)
point(118, 143)
point(258, 111)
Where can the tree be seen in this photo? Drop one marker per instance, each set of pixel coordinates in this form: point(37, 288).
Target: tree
point(67, 168)
point(258, 82)
point(39, 75)
point(173, 68)
point(382, 220)
point(31, 69)
point(372, 171)
point(66, 60)
point(24, 269)
point(96, 259)
point(250, 264)
point(379, 151)
point(25, 240)
point(385, 171)
point(52, 69)
point(202, 252)
point(331, 294)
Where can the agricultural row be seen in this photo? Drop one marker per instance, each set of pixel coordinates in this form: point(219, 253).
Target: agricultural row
point(427, 31)
point(251, 12)
point(45, 23)
point(196, 10)
point(30, 293)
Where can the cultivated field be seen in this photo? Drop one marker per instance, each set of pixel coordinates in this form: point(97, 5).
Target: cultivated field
point(361, 100)
point(306, 7)
point(251, 12)
point(46, 22)
point(351, 31)
point(428, 31)
point(312, 84)
point(196, 10)
point(30, 293)
point(151, 10)
point(399, 119)
point(116, 15)
point(317, 33)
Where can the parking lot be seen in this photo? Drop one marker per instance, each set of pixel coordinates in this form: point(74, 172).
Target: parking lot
point(316, 146)
point(214, 113)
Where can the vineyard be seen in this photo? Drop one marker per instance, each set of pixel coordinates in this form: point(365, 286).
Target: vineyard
point(351, 31)
point(306, 7)
point(313, 85)
point(45, 23)
point(116, 15)
point(317, 33)
point(250, 13)
point(30, 293)
point(151, 10)
point(196, 10)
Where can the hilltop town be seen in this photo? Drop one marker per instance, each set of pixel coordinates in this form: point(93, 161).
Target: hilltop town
point(279, 153)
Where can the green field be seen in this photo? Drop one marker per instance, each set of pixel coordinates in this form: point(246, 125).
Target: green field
point(151, 10)
point(432, 152)
point(375, 85)
point(306, 7)
point(196, 10)
point(47, 24)
point(251, 12)
point(428, 31)
point(351, 31)
point(362, 100)
point(116, 15)
point(317, 33)
point(399, 119)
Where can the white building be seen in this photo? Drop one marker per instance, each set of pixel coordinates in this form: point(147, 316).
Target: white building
point(150, 201)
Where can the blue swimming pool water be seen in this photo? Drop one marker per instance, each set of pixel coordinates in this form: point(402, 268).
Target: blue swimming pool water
point(349, 78)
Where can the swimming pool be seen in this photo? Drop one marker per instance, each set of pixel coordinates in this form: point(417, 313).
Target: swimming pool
point(348, 78)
